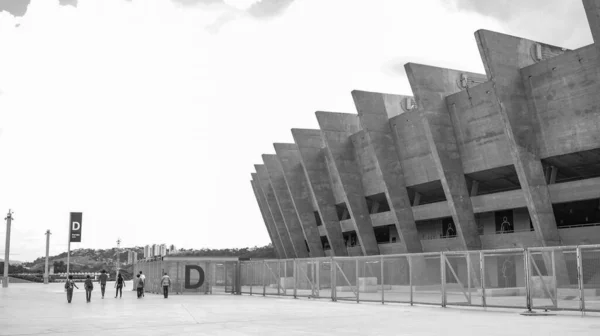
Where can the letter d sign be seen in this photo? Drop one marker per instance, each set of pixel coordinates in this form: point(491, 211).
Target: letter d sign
point(75, 227)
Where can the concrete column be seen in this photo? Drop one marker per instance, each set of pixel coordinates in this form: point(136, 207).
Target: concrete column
point(293, 172)
point(279, 225)
point(268, 218)
point(374, 109)
point(286, 205)
point(430, 86)
point(46, 274)
point(592, 10)
point(309, 144)
point(503, 57)
point(336, 129)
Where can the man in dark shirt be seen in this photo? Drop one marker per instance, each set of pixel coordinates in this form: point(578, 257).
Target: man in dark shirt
point(102, 280)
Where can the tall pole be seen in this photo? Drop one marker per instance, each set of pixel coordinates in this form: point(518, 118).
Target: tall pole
point(7, 249)
point(69, 253)
point(46, 274)
point(118, 254)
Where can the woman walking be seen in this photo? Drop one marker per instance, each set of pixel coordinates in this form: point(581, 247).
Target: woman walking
point(69, 284)
point(140, 286)
point(119, 284)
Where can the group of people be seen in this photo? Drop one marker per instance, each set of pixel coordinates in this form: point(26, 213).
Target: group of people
point(119, 284)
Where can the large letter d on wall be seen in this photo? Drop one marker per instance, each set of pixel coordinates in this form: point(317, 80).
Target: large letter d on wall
point(188, 270)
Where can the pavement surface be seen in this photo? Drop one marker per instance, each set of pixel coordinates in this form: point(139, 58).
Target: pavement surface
point(37, 309)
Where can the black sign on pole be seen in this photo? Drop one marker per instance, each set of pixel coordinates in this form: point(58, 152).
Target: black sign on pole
point(75, 227)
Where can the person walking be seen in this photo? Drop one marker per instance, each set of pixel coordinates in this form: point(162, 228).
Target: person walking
point(102, 280)
point(69, 284)
point(89, 287)
point(140, 286)
point(143, 277)
point(166, 283)
point(119, 284)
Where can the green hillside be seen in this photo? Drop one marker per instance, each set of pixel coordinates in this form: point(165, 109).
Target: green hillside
point(92, 260)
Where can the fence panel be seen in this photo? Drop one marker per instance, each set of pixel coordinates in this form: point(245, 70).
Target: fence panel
point(426, 278)
point(396, 279)
point(553, 282)
point(245, 277)
point(272, 277)
point(590, 278)
point(324, 285)
point(462, 280)
point(504, 279)
point(370, 286)
point(305, 278)
point(346, 274)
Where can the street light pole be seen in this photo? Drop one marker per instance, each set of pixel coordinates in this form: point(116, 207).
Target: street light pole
point(118, 254)
point(46, 274)
point(8, 219)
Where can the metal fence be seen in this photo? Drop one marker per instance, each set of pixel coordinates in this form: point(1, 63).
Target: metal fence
point(550, 278)
point(216, 277)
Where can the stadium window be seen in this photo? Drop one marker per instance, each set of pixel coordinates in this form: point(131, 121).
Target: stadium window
point(318, 219)
point(377, 203)
point(382, 234)
point(342, 211)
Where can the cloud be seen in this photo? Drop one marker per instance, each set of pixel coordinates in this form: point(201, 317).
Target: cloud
point(14, 7)
point(269, 8)
point(68, 3)
point(557, 22)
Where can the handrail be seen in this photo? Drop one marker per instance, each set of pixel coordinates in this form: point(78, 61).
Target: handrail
point(578, 225)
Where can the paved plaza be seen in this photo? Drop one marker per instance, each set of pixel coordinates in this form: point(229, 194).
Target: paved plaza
point(36, 309)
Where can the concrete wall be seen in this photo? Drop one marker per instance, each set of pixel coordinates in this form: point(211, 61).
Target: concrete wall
point(478, 128)
point(413, 149)
point(564, 94)
point(371, 181)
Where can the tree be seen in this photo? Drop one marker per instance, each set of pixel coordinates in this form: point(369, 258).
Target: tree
point(60, 267)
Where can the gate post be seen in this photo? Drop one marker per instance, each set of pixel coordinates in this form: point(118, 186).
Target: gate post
point(356, 282)
point(263, 273)
point(527, 260)
point(469, 276)
point(443, 277)
point(482, 271)
point(333, 280)
point(580, 280)
point(295, 275)
point(238, 277)
point(382, 282)
point(410, 277)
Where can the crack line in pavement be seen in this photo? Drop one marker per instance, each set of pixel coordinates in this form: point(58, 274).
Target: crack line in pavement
point(190, 313)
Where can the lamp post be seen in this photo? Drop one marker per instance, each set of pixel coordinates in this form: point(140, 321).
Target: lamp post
point(8, 219)
point(118, 254)
point(46, 274)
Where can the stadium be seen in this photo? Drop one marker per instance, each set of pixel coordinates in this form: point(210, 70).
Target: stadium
point(476, 179)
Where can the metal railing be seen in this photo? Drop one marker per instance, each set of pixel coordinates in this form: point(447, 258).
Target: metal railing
point(549, 278)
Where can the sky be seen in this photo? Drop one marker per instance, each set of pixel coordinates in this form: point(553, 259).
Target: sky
point(148, 115)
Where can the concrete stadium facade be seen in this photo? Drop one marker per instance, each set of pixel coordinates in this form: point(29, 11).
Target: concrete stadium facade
point(509, 158)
